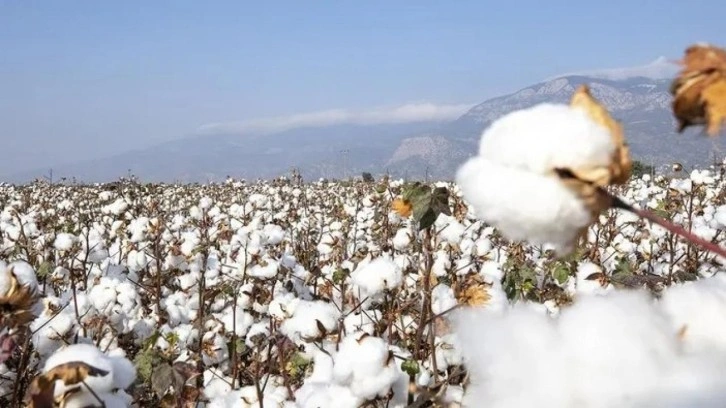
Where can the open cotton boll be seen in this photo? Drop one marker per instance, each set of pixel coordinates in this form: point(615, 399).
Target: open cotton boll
point(590, 286)
point(376, 276)
point(119, 372)
point(442, 299)
point(364, 364)
point(64, 241)
point(510, 184)
point(402, 239)
point(22, 271)
point(309, 318)
point(449, 229)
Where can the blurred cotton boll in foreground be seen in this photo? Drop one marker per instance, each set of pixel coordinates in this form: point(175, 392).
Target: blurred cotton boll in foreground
point(622, 348)
point(516, 183)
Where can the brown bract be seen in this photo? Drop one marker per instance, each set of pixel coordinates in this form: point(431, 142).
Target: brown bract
point(587, 182)
point(17, 303)
point(700, 89)
point(42, 388)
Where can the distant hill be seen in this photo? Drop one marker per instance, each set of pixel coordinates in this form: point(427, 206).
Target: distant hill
point(433, 149)
point(643, 105)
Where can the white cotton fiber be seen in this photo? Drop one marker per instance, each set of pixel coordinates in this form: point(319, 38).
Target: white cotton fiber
point(524, 206)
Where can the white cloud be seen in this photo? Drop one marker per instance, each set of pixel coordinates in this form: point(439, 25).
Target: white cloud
point(660, 68)
point(409, 113)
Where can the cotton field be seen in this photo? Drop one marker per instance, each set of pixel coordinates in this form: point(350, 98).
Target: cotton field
point(292, 294)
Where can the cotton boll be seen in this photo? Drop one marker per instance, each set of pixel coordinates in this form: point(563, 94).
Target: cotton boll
point(22, 271)
point(364, 364)
point(499, 351)
point(275, 234)
point(450, 230)
point(309, 318)
point(265, 270)
point(238, 322)
point(607, 339)
point(64, 241)
point(509, 184)
point(619, 349)
point(376, 276)
point(442, 263)
point(545, 137)
point(88, 354)
point(321, 395)
point(216, 384)
point(88, 400)
point(402, 239)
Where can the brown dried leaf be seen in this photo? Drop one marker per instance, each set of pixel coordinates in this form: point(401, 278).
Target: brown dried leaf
point(700, 89)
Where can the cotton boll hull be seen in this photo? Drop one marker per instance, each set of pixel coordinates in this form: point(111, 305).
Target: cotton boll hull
point(522, 205)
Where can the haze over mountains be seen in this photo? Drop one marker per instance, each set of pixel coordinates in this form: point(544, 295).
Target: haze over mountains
point(431, 146)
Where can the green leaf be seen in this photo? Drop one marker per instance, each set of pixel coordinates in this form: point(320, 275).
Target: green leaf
point(427, 204)
point(339, 276)
point(440, 201)
point(297, 365)
point(145, 361)
point(44, 270)
point(561, 274)
point(427, 220)
point(410, 367)
point(623, 272)
point(660, 209)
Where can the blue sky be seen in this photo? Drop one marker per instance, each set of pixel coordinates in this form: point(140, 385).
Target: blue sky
point(89, 78)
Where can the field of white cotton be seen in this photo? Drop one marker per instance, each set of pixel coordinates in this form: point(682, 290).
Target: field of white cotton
point(547, 275)
point(321, 295)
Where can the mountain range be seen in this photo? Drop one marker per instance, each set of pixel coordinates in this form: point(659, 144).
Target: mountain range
point(431, 149)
